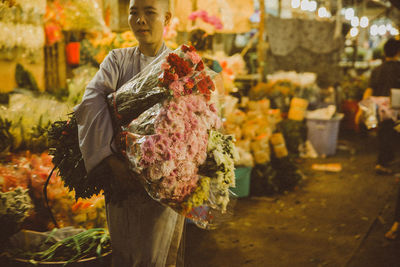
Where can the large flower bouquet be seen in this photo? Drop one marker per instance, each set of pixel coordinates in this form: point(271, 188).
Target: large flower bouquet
point(170, 135)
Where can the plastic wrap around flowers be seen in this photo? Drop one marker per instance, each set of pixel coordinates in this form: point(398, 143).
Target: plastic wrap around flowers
point(175, 145)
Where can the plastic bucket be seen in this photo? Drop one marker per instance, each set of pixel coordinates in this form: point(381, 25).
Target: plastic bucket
point(73, 53)
point(395, 98)
point(323, 134)
point(242, 178)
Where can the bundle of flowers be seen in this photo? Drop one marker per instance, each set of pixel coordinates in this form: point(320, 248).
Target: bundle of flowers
point(30, 115)
point(232, 66)
point(283, 86)
point(167, 124)
point(353, 87)
point(28, 173)
point(252, 126)
point(15, 207)
point(175, 146)
point(102, 43)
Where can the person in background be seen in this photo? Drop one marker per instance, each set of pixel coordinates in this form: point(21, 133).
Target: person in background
point(143, 232)
point(383, 78)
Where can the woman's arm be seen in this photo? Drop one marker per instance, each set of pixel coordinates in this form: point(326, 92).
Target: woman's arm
point(95, 129)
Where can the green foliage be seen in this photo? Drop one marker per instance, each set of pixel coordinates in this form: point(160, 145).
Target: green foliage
point(14, 208)
point(90, 243)
point(25, 79)
point(67, 157)
point(295, 133)
point(353, 87)
point(6, 139)
point(274, 177)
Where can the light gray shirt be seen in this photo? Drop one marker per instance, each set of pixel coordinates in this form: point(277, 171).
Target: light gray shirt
point(95, 129)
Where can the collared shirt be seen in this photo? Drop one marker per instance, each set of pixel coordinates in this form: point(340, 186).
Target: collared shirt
point(95, 129)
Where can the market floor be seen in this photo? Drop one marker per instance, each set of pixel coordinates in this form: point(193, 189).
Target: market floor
point(330, 219)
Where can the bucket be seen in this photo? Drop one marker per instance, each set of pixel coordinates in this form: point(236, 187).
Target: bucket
point(73, 53)
point(242, 178)
point(350, 108)
point(395, 98)
point(323, 134)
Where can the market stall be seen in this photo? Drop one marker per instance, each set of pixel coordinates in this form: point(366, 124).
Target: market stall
point(293, 75)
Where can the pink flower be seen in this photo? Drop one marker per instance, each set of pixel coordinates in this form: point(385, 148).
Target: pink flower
point(179, 145)
point(203, 14)
point(194, 57)
point(168, 167)
point(165, 66)
point(212, 107)
point(177, 88)
point(155, 172)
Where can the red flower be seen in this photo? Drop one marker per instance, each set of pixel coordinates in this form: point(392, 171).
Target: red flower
point(203, 88)
point(167, 78)
point(210, 83)
point(186, 48)
point(189, 84)
point(181, 67)
point(188, 91)
point(200, 66)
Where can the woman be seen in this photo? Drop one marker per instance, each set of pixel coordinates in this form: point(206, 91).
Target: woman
point(143, 232)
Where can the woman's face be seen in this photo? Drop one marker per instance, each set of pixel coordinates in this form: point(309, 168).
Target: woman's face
point(147, 19)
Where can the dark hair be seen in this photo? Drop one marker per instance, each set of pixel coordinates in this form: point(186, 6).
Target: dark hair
point(199, 39)
point(391, 47)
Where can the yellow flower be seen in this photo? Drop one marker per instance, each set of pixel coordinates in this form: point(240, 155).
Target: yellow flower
point(100, 56)
point(127, 44)
point(128, 36)
point(116, 43)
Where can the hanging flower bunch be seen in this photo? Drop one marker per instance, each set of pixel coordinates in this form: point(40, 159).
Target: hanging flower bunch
point(103, 43)
point(54, 19)
point(210, 19)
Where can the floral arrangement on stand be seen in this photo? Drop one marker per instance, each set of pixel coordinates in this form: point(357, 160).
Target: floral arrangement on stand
point(77, 84)
point(29, 116)
point(353, 87)
point(29, 172)
point(72, 15)
point(54, 19)
point(351, 92)
point(170, 130)
point(27, 113)
point(210, 19)
point(232, 66)
point(21, 29)
point(101, 43)
point(283, 86)
point(261, 144)
point(252, 124)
